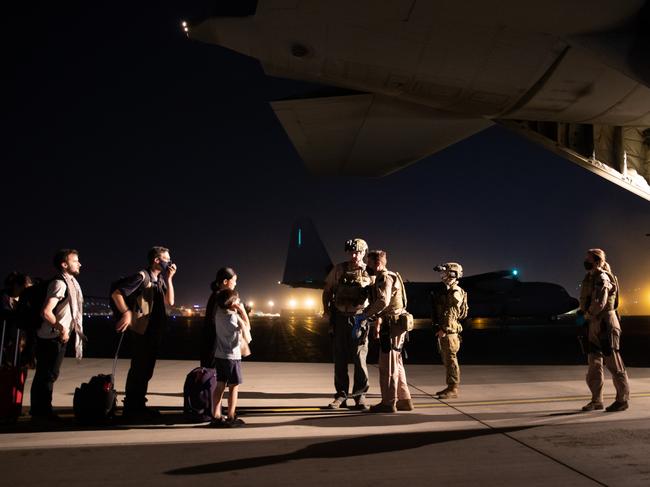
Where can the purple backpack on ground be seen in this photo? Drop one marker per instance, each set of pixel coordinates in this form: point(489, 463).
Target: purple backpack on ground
point(199, 387)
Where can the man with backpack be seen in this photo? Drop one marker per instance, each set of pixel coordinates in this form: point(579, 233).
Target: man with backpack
point(449, 308)
point(62, 313)
point(139, 305)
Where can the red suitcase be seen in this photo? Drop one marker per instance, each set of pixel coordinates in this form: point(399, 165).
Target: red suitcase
point(12, 383)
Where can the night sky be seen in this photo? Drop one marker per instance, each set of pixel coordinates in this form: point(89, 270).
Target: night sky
point(120, 134)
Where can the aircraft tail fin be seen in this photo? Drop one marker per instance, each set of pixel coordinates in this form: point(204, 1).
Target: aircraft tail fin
point(307, 259)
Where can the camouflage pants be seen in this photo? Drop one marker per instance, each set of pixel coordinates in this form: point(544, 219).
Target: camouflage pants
point(449, 347)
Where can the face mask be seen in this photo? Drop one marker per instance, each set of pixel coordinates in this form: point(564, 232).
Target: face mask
point(588, 265)
point(165, 265)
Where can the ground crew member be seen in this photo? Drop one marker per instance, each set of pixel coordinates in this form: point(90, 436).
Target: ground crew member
point(449, 307)
point(598, 304)
point(344, 296)
point(387, 304)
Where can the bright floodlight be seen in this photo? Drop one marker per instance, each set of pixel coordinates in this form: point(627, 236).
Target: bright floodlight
point(292, 303)
point(271, 304)
point(184, 24)
point(251, 303)
point(309, 303)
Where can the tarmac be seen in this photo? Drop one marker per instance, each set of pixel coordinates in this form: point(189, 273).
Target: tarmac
point(512, 425)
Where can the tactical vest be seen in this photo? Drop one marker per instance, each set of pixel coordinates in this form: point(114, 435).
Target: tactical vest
point(396, 305)
point(443, 305)
point(351, 290)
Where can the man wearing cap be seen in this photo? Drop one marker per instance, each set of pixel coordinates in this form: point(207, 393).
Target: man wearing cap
point(449, 307)
point(344, 296)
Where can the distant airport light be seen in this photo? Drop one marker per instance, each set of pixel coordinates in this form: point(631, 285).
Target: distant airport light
point(184, 24)
point(251, 303)
point(292, 303)
point(309, 303)
point(271, 304)
point(515, 272)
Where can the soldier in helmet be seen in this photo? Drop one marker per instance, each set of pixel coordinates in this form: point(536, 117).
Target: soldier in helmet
point(598, 305)
point(345, 296)
point(449, 307)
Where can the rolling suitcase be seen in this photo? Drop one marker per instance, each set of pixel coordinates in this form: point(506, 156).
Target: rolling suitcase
point(95, 401)
point(12, 383)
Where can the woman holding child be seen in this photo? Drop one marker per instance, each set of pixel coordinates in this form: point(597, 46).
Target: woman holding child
point(226, 338)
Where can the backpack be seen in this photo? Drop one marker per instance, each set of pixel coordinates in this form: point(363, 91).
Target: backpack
point(405, 320)
point(32, 300)
point(198, 389)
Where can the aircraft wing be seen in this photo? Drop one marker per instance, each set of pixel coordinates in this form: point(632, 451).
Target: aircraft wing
point(368, 134)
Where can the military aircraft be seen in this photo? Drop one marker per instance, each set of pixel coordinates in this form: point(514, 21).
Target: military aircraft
point(498, 294)
point(411, 77)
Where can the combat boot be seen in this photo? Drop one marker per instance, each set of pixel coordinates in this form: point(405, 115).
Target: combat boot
point(404, 405)
point(448, 393)
point(592, 406)
point(382, 408)
point(617, 406)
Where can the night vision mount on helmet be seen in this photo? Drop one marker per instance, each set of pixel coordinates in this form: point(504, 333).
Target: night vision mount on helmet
point(356, 245)
point(450, 267)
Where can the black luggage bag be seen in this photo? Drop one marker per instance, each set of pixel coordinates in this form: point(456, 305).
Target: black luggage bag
point(95, 401)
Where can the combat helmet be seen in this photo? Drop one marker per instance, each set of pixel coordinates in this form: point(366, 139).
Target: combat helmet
point(356, 245)
point(450, 267)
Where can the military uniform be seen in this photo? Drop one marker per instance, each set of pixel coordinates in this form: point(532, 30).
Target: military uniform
point(387, 304)
point(603, 334)
point(346, 293)
point(448, 308)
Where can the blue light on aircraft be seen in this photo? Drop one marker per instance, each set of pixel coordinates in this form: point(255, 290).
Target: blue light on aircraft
point(515, 272)
point(300, 237)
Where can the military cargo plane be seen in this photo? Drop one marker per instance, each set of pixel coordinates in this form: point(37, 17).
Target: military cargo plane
point(498, 294)
point(411, 77)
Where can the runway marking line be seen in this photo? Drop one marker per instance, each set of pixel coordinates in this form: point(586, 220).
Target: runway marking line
point(521, 401)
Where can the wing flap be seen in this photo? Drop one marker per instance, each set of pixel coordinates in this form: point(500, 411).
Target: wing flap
point(368, 135)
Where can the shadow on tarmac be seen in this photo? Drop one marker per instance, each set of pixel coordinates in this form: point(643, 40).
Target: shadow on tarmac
point(346, 447)
point(254, 395)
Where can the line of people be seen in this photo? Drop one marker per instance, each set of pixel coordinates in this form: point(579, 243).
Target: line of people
point(360, 300)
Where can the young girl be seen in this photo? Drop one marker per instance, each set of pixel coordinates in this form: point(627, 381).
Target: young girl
point(231, 327)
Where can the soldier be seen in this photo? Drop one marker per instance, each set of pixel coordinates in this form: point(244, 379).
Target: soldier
point(598, 304)
point(344, 296)
point(387, 304)
point(449, 307)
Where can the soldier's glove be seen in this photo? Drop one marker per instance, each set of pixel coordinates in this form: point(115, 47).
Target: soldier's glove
point(360, 326)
